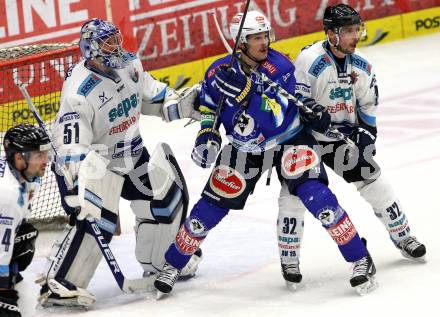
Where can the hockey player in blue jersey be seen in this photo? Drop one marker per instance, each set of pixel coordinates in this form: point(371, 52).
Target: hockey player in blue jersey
point(264, 130)
point(26, 148)
point(346, 85)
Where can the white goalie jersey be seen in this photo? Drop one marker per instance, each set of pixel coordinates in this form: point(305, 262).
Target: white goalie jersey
point(101, 113)
point(350, 95)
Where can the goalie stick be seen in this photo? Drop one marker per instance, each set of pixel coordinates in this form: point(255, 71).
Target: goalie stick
point(332, 132)
point(126, 285)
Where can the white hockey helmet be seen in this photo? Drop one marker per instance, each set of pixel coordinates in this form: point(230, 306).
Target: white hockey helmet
point(256, 22)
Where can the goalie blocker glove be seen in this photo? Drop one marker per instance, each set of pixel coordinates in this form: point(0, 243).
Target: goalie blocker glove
point(234, 85)
point(207, 145)
point(8, 303)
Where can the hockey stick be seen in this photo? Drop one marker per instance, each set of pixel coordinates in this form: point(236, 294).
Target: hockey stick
point(231, 62)
point(126, 285)
point(332, 132)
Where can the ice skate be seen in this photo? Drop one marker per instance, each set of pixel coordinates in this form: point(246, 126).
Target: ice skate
point(165, 280)
point(412, 249)
point(291, 275)
point(363, 279)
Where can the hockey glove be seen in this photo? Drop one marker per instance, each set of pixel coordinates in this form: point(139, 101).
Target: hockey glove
point(207, 145)
point(24, 246)
point(183, 103)
point(234, 85)
point(8, 303)
point(313, 115)
point(364, 137)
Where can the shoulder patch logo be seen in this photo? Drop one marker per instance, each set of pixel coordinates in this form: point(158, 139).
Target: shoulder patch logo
point(318, 66)
point(88, 84)
point(269, 67)
point(361, 64)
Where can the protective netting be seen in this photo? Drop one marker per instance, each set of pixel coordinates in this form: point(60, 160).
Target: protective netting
point(42, 68)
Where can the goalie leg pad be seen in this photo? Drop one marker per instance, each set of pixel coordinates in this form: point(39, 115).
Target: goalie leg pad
point(153, 237)
point(380, 195)
point(158, 221)
point(76, 256)
point(290, 226)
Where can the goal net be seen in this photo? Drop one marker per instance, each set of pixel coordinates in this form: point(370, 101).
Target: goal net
point(42, 69)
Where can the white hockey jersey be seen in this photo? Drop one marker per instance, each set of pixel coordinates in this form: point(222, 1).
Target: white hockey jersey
point(102, 114)
point(349, 94)
point(15, 200)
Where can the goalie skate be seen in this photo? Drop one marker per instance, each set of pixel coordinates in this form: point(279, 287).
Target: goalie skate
point(64, 293)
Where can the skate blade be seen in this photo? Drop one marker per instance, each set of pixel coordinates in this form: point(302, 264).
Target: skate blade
point(421, 259)
point(160, 295)
point(367, 287)
point(291, 286)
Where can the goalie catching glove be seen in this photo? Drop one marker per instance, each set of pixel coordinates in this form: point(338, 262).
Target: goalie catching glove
point(183, 103)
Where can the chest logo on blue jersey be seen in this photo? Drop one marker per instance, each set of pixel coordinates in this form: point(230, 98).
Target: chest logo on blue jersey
point(88, 84)
point(123, 108)
point(244, 126)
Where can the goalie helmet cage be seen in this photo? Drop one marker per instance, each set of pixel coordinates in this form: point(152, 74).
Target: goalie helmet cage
point(42, 68)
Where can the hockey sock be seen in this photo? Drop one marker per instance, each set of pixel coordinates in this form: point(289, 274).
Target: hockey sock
point(204, 216)
point(380, 195)
point(322, 203)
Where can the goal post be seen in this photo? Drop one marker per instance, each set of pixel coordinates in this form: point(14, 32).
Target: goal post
point(42, 68)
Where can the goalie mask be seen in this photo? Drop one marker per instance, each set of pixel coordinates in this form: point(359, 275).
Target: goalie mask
point(102, 41)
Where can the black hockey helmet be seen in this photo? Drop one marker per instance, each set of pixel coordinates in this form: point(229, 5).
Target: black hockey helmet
point(336, 16)
point(24, 138)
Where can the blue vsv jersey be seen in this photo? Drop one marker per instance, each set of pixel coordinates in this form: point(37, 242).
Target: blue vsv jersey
point(268, 120)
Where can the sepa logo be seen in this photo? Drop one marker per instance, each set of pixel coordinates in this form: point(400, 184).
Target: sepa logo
point(429, 23)
point(123, 108)
point(344, 93)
